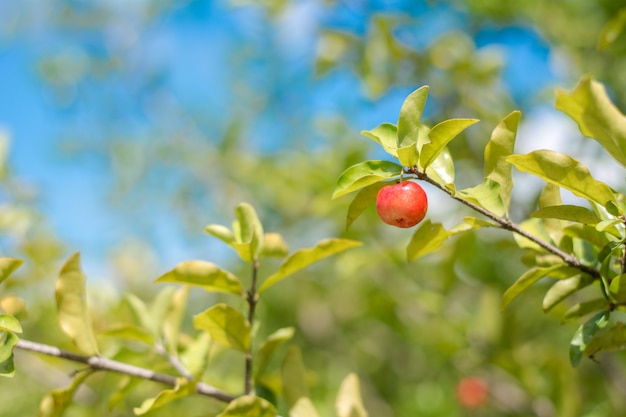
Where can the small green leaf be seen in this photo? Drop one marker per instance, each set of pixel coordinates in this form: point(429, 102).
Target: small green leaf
point(225, 325)
point(427, 238)
point(72, 306)
point(617, 289)
point(173, 319)
point(597, 117)
point(305, 257)
point(363, 199)
point(564, 171)
point(249, 406)
point(55, 403)
point(204, 275)
point(385, 135)
point(250, 230)
point(349, 402)
point(140, 311)
point(9, 324)
point(274, 246)
point(583, 335)
point(196, 355)
point(8, 340)
point(442, 168)
point(7, 368)
point(527, 279)
point(294, 377)
point(440, 135)
point(485, 195)
point(269, 346)
point(567, 212)
point(182, 389)
point(221, 232)
point(364, 174)
point(410, 119)
point(8, 266)
point(560, 290)
point(611, 339)
point(584, 308)
point(612, 30)
point(303, 408)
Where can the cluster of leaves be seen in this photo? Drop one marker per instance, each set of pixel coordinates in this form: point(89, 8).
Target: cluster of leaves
point(576, 245)
point(158, 327)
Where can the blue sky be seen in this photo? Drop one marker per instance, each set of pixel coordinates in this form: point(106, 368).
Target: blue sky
point(191, 47)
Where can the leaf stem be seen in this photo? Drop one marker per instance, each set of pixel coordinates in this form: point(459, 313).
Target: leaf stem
point(512, 227)
point(105, 364)
point(252, 298)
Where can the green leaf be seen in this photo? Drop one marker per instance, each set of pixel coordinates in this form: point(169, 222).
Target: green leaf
point(8, 266)
point(584, 334)
point(617, 289)
point(129, 332)
point(611, 339)
point(182, 389)
point(55, 403)
point(485, 195)
point(225, 325)
point(560, 290)
point(303, 408)
point(221, 232)
point(9, 324)
point(363, 199)
point(427, 238)
point(174, 318)
point(8, 340)
point(205, 275)
point(536, 228)
point(250, 231)
point(499, 147)
point(196, 356)
point(584, 308)
point(364, 174)
point(410, 119)
point(527, 279)
point(349, 402)
point(612, 30)
point(408, 155)
point(269, 346)
point(140, 312)
point(597, 117)
point(440, 135)
point(294, 377)
point(305, 257)
point(442, 168)
point(385, 135)
point(274, 246)
point(7, 368)
point(564, 171)
point(72, 306)
point(249, 406)
point(567, 212)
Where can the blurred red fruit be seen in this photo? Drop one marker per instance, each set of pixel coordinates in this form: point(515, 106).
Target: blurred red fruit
point(472, 392)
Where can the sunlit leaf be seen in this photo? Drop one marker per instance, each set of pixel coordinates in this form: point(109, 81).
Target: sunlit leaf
point(14, 306)
point(250, 230)
point(158, 310)
point(584, 308)
point(610, 339)
point(410, 118)
point(8, 340)
point(427, 238)
point(442, 168)
point(386, 135)
point(303, 408)
point(363, 199)
point(617, 289)
point(129, 332)
point(140, 311)
point(560, 290)
point(536, 228)
point(499, 147)
point(205, 275)
point(564, 171)
point(182, 389)
point(173, 319)
point(72, 306)
point(9, 323)
point(8, 266)
point(294, 376)
point(305, 257)
point(274, 246)
point(249, 406)
point(588, 234)
point(597, 117)
point(440, 135)
point(225, 325)
point(527, 279)
point(349, 402)
point(567, 212)
point(270, 345)
point(408, 155)
point(196, 355)
point(221, 232)
point(364, 174)
point(485, 195)
point(583, 335)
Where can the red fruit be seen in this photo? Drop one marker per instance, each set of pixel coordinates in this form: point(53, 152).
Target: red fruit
point(472, 392)
point(402, 205)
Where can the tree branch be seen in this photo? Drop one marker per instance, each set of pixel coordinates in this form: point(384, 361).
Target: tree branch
point(252, 299)
point(105, 364)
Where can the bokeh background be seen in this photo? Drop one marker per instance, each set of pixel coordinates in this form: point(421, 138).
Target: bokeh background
point(127, 126)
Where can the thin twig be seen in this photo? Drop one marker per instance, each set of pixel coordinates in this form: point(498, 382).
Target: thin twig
point(510, 226)
point(105, 364)
point(252, 299)
point(173, 360)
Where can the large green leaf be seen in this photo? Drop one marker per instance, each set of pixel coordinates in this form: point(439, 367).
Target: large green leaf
point(442, 168)
point(204, 275)
point(610, 339)
point(385, 135)
point(269, 346)
point(485, 195)
point(597, 117)
point(363, 199)
point(440, 135)
point(225, 325)
point(294, 377)
point(72, 306)
point(427, 238)
point(499, 147)
point(182, 389)
point(583, 335)
point(305, 257)
point(567, 212)
point(527, 279)
point(349, 402)
point(566, 172)
point(249, 406)
point(364, 174)
point(560, 290)
point(584, 308)
point(8, 266)
point(410, 119)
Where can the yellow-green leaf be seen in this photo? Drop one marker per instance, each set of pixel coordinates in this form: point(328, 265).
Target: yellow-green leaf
point(440, 135)
point(294, 377)
point(205, 275)
point(364, 174)
point(249, 406)
point(617, 289)
point(182, 389)
point(409, 122)
point(485, 195)
point(250, 230)
point(567, 212)
point(174, 318)
point(613, 30)
point(566, 172)
point(8, 340)
point(223, 233)
point(303, 408)
point(584, 308)
point(269, 346)
point(305, 257)
point(610, 339)
point(349, 402)
point(9, 323)
point(225, 325)
point(274, 246)
point(363, 199)
point(583, 335)
point(560, 290)
point(385, 135)
point(442, 168)
point(8, 266)
point(527, 279)
point(427, 238)
point(55, 403)
point(7, 368)
point(72, 306)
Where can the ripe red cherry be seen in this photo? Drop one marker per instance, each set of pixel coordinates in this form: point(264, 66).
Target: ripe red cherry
point(402, 205)
point(472, 392)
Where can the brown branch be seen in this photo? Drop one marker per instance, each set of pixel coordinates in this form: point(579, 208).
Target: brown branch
point(105, 364)
point(252, 299)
